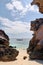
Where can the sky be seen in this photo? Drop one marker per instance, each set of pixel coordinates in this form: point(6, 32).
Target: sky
point(16, 17)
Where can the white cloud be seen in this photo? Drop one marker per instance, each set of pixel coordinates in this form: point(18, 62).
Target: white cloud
point(10, 6)
point(15, 27)
point(16, 4)
point(19, 6)
point(29, 8)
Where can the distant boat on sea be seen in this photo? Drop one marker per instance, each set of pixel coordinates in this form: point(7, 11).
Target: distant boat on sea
point(19, 39)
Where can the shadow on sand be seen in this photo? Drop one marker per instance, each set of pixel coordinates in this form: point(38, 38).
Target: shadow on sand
point(39, 61)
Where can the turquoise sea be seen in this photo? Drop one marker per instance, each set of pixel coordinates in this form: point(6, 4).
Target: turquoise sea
point(19, 43)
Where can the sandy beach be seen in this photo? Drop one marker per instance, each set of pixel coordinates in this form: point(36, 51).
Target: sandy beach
point(21, 61)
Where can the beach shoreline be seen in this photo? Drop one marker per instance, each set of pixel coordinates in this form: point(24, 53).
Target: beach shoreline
point(21, 61)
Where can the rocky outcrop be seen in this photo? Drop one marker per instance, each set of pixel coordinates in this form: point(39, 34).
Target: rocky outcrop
point(39, 3)
point(7, 53)
point(35, 49)
point(4, 39)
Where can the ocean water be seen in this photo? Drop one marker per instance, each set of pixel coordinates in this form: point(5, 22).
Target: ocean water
point(19, 44)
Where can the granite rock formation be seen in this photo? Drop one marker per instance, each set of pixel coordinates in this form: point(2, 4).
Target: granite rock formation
point(35, 49)
point(7, 53)
point(39, 3)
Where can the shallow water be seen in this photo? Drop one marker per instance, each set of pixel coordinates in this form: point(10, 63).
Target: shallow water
point(19, 44)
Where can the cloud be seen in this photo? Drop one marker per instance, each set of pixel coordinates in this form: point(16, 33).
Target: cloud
point(29, 8)
point(10, 6)
point(15, 27)
point(16, 4)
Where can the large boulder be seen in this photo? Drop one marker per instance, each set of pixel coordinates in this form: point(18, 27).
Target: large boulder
point(7, 53)
point(35, 49)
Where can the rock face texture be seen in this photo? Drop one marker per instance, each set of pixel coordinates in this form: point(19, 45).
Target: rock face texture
point(35, 49)
point(7, 53)
point(39, 3)
point(4, 39)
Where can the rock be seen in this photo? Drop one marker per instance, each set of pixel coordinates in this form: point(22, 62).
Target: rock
point(15, 47)
point(4, 39)
point(24, 57)
point(7, 53)
point(36, 24)
point(39, 3)
point(39, 33)
point(35, 49)
point(10, 54)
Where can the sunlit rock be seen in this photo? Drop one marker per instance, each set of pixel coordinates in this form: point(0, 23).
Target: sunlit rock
point(35, 49)
point(39, 3)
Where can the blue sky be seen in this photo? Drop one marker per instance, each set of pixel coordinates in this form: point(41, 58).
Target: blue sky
point(16, 16)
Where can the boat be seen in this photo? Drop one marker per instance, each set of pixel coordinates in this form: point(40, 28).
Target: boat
point(19, 39)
